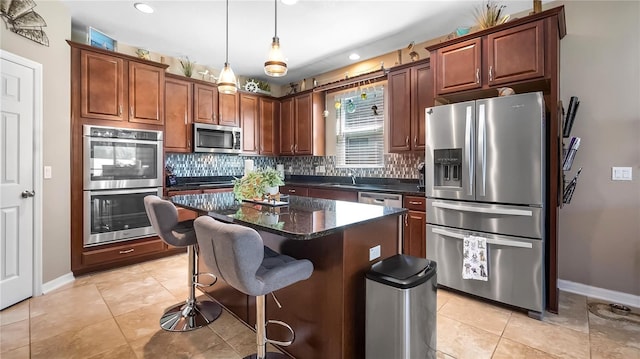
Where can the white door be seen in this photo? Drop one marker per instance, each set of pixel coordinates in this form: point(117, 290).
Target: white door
point(16, 182)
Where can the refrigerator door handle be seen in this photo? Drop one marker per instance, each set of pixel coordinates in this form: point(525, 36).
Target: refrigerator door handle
point(482, 146)
point(467, 149)
point(506, 211)
point(501, 242)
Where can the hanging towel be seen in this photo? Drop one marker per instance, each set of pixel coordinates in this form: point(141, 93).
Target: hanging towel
point(475, 258)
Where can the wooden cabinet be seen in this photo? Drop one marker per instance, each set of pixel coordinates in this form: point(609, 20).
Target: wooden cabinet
point(178, 114)
point(249, 122)
point(501, 57)
point(302, 129)
point(268, 129)
point(259, 122)
point(122, 251)
point(205, 103)
point(295, 190)
point(336, 194)
point(229, 106)
point(415, 227)
point(115, 88)
point(410, 92)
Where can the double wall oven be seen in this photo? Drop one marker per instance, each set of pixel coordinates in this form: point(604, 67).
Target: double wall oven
point(121, 166)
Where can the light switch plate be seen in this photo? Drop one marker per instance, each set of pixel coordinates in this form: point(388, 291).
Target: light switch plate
point(621, 173)
point(374, 252)
point(47, 172)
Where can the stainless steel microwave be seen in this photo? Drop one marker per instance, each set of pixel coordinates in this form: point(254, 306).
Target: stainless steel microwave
point(216, 139)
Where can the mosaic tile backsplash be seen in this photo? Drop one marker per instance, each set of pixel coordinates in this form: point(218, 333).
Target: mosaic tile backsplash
point(204, 164)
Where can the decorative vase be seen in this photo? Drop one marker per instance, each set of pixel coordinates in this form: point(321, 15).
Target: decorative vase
point(271, 190)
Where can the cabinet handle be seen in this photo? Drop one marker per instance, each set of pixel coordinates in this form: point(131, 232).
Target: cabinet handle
point(478, 75)
point(291, 148)
point(120, 110)
point(185, 117)
point(292, 191)
point(295, 148)
point(406, 141)
point(491, 73)
point(406, 221)
point(415, 141)
point(131, 111)
point(130, 250)
point(415, 202)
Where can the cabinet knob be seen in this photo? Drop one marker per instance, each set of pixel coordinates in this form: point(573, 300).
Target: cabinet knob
point(491, 73)
point(478, 75)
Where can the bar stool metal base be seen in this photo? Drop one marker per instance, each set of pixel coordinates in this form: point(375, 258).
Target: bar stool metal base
point(185, 317)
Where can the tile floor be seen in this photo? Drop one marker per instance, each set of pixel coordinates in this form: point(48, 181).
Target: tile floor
point(115, 314)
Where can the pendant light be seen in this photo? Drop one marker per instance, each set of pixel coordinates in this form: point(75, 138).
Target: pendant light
point(275, 65)
point(227, 81)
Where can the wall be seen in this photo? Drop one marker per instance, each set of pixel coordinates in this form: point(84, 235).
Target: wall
point(599, 242)
point(56, 127)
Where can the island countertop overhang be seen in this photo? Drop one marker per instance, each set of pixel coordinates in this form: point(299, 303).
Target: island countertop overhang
point(303, 218)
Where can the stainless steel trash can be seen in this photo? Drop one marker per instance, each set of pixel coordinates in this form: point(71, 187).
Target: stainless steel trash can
point(401, 308)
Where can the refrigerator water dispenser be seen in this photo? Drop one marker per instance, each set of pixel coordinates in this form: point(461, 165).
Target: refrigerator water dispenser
point(447, 169)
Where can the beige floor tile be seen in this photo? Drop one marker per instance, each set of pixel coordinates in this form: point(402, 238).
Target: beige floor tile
point(20, 353)
point(624, 333)
point(476, 313)
point(550, 338)
point(71, 309)
point(79, 281)
point(572, 312)
point(120, 352)
point(464, 341)
point(132, 295)
point(116, 277)
point(508, 349)
point(14, 335)
point(15, 313)
point(178, 287)
point(443, 297)
point(227, 326)
point(441, 355)
point(83, 343)
point(604, 348)
point(165, 344)
point(142, 322)
point(220, 351)
point(245, 344)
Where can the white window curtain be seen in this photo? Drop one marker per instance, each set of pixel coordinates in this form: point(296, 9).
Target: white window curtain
point(360, 127)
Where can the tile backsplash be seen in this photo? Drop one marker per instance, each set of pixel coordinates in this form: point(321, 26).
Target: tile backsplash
point(204, 164)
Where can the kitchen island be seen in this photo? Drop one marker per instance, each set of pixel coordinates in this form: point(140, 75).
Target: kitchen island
point(327, 311)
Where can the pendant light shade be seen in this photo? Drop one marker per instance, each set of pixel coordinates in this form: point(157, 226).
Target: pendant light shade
point(227, 81)
point(275, 66)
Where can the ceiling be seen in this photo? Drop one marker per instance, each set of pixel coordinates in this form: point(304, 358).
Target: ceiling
point(316, 36)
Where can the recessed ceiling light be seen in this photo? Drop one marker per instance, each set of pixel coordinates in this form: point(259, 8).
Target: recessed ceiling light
point(289, 2)
point(143, 8)
point(354, 56)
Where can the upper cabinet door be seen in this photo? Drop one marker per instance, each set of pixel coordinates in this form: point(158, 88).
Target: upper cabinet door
point(458, 67)
point(178, 115)
point(229, 106)
point(102, 87)
point(146, 94)
point(304, 125)
point(516, 54)
point(400, 110)
point(205, 104)
point(287, 131)
point(421, 98)
point(249, 123)
point(268, 128)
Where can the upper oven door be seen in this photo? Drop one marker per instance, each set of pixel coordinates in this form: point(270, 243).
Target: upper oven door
point(216, 139)
point(111, 163)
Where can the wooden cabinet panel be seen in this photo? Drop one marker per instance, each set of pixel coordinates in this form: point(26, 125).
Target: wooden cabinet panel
point(178, 115)
point(121, 252)
point(304, 125)
point(217, 190)
point(415, 203)
point(268, 133)
point(102, 94)
point(146, 94)
point(249, 122)
point(228, 109)
point(205, 104)
point(458, 67)
point(287, 126)
point(295, 190)
point(336, 194)
point(399, 83)
point(421, 98)
point(415, 229)
point(516, 54)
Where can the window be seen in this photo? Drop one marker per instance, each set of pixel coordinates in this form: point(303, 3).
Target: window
point(360, 127)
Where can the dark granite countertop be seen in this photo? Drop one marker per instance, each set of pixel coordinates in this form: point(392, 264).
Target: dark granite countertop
point(303, 218)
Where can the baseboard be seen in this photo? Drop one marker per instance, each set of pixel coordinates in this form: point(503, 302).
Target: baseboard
point(600, 293)
point(57, 283)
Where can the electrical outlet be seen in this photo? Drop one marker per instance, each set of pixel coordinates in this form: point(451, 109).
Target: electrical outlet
point(47, 172)
point(374, 252)
point(621, 173)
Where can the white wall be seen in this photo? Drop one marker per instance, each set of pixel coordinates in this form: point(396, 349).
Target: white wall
point(56, 127)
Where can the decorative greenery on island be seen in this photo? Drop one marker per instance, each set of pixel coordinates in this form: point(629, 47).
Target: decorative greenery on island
point(253, 185)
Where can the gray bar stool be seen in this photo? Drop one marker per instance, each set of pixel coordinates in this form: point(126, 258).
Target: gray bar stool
point(239, 256)
point(192, 314)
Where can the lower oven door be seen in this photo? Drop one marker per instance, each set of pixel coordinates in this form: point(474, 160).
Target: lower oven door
point(515, 266)
point(116, 215)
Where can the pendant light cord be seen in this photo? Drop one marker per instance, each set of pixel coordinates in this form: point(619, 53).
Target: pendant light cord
point(276, 30)
point(226, 61)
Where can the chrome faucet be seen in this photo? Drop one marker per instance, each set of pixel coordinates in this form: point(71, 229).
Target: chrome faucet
point(353, 177)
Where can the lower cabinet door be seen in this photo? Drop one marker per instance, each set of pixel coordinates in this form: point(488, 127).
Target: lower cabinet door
point(415, 242)
point(122, 251)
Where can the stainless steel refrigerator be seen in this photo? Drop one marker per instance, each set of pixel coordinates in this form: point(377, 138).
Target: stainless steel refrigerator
point(485, 178)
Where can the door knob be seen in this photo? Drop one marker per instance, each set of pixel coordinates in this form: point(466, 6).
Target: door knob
point(27, 194)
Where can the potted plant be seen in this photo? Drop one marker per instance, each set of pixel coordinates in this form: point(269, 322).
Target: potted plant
point(256, 184)
point(271, 180)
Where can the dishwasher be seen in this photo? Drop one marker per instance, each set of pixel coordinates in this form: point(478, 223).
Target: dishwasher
point(387, 200)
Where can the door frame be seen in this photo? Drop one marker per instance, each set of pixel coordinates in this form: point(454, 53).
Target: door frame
point(37, 163)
